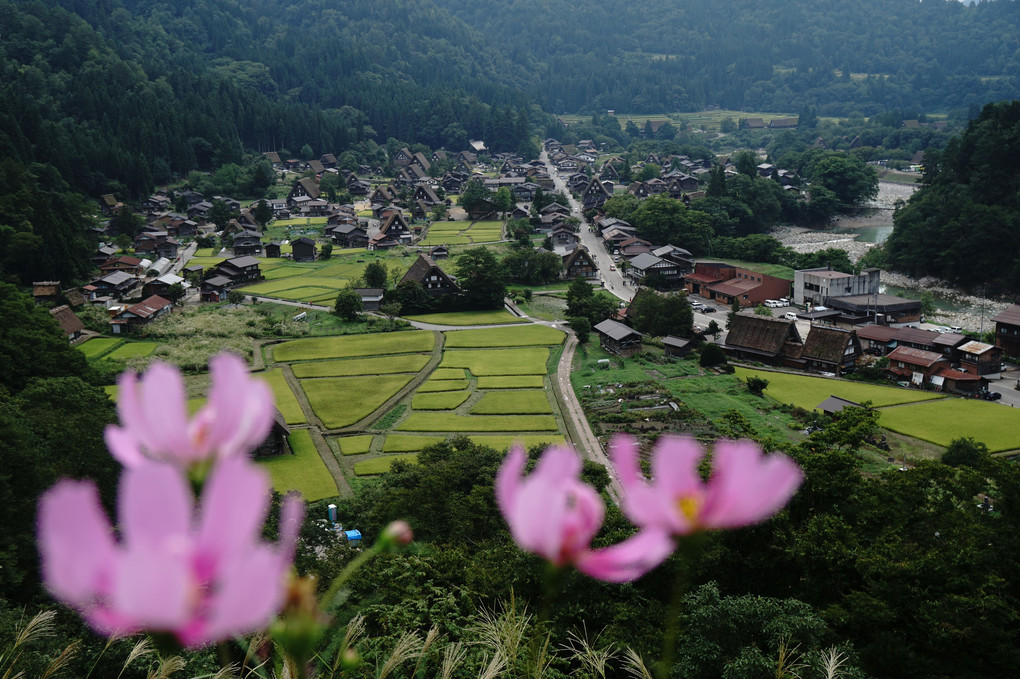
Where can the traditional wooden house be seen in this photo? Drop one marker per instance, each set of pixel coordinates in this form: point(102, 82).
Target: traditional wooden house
point(427, 273)
point(273, 249)
point(915, 366)
point(161, 285)
point(980, 358)
point(70, 324)
point(617, 338)
point(595, 195)
point(830, 349)
point(139, 314)
point(647, 264)
point(564, 236)
point(403, 157)
point(579, 264)
point(306, 187)
point(115, 284)
point(125, 264)
point(215, 288)
point(396, 227)
point(349, 236)
point(1007, 330)
point(371, 298)
point(760, 338)
point(46, 292)
point(439, 252)
point(247, 243)
point(303, 249)
point(239, 270)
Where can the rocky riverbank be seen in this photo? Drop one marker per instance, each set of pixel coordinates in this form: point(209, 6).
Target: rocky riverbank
point(971, 308)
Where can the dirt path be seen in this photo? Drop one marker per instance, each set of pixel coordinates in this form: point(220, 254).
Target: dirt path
point(578, 429)
point(329, 459)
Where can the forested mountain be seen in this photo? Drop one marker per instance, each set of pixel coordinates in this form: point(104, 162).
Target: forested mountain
point(963, 225)
point(138, 91)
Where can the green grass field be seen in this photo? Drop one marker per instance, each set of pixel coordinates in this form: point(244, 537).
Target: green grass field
point(318, 348)
point(448, 374)
point(516, 402)
point(380, 465)
point(286, 402)
point(433, 385)
point(401, 363)
point(131, 350)
point(342, 401)
point(527, 440)
point(439, 400)
point(491, 317)
point(99, 345)
point(303, 471)
point(401, 443)
point(521, 361)
point(513, 336)
point(942, 421)
point(476, 423)
point(355, 445)
point(807, 392)
point(512, 382)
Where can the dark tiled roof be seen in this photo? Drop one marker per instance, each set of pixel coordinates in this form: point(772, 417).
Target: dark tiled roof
point(615, 330)
point(1010, 316)
point(912, 356)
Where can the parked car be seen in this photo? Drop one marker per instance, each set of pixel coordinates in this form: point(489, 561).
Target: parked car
point(790, 315)
point(708, 310)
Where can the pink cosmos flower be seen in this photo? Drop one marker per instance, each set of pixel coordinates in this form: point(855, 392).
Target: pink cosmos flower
point(553, 514)
point(202, 576)
point(745, 486)
point(154, 415)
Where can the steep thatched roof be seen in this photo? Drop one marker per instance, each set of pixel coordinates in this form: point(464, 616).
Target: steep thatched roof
point(761, 334)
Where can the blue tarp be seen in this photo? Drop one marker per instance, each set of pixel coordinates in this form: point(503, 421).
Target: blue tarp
point(352, 535)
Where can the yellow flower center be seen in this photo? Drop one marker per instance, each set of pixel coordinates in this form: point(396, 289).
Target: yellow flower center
point(690, 507)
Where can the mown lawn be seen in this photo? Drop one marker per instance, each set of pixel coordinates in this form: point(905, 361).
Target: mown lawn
point(440, 400)
point(516, 402)
point(475, 423)
point(512, 382)
point(355, 445)
point(807, 392)
point(318, 348)
point(380, 465)
point(342, 401)
point(520, 361)
point(403, 363)
point(513, 336)
point(491, 317)
point(303, 471)
point(286, 402)
point(942, 421)
point(99, 345)
point(433, 385)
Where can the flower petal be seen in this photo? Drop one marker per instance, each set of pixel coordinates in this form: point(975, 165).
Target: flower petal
point(155, 505)
point(154, 586)
point(242, 406)
point(249, 590)
point(747, 487)
point(164, 415)
point(508, 479)
point(628, 560)
point(234, 505)
point(76, 543)
point(123, 446)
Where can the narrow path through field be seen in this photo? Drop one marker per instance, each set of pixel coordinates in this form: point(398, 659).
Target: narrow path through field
point(583, 437)
point(329, 459)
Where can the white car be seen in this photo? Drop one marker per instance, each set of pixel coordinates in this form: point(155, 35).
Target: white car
point(790, 315)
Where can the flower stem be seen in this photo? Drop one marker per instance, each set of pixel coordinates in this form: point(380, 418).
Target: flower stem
point(334, 588)
point(689, 549)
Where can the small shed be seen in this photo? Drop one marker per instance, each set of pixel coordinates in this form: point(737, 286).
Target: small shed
point(353, 537)
point(303, 249)
point(835, 404)
point(617, 338)
point(676, 346)
point(272, 249)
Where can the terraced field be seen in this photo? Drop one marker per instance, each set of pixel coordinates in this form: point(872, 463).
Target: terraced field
point(462, 233)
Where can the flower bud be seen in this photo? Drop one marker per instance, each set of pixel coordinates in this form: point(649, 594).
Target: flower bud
point(397, 534)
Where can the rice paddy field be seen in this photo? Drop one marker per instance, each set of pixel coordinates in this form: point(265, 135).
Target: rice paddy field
point(942, 421)
point(807, 392)
point(304, 471)
point(462, 233)
point(490, 386)
point(491, 317)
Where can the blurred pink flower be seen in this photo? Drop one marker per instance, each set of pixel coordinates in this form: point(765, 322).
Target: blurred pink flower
point(202, 576)
point(553, 514)
point(154, 415)
point(745, 486)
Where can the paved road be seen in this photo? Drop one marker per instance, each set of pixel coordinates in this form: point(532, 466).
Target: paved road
point(614, 280)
